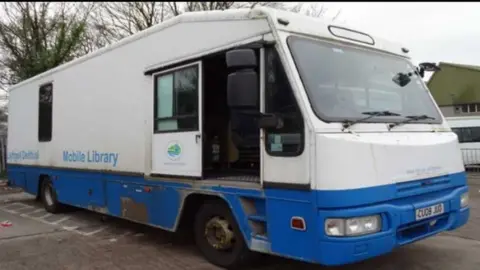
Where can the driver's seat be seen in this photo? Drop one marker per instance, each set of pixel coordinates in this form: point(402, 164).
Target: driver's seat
point(244, 136)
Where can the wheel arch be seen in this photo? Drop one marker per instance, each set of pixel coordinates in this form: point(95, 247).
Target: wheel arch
point(41, 178)
point(194, 200)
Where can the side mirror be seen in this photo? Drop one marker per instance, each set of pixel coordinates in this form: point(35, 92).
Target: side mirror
point(429, 66)
point(268, 121)
point(243, 82)
point(241, 59)
point(426, 66)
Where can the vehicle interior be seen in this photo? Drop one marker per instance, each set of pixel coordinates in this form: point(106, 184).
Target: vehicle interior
point(231, 139)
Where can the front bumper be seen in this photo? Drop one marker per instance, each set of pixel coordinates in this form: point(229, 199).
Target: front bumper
point(398, 227)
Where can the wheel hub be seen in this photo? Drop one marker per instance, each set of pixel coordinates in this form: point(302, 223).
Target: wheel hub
point(219, 233)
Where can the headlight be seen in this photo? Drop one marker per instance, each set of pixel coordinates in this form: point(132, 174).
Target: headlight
point(464, 200)
point(353, 226)
point(335, 227)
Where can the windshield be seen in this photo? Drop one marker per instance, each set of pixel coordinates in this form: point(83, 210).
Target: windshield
point(342, 82)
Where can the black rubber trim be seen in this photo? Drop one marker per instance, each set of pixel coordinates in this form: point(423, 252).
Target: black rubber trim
point(254, 45)
point(176, 177)
point(304, 187)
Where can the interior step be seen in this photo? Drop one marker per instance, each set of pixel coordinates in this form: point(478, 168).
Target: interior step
point(261, 237)
point(258, 224)
point(256, 218)
point(235, 178)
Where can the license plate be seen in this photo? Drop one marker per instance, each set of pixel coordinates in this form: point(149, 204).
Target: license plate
point(430, 211)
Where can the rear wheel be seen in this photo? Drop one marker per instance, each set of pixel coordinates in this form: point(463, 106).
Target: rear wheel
point(49, 197)
point(218, 237)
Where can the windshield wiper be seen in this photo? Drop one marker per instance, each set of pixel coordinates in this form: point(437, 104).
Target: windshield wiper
point(347, 123)
point(411, 118)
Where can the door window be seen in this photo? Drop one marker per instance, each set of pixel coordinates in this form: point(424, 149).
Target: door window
point(176, 101)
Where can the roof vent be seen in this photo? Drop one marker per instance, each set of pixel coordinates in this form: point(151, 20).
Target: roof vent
point(350, 34)
point(405, 50)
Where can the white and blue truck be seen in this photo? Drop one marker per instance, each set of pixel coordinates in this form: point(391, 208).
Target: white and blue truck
point(263, 131)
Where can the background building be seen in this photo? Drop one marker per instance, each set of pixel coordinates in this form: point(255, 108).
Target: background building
point(456, 89)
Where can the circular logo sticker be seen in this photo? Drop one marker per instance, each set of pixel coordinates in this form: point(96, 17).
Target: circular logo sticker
point(174, 150)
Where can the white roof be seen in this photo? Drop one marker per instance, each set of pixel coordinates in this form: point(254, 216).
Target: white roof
point(297, 24)
point(318, 27)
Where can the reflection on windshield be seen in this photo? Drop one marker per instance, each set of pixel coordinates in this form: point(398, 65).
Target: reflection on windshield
point(342, 82)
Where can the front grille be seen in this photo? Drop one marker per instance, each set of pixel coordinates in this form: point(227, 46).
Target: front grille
point(417, 230)
point(409, 188)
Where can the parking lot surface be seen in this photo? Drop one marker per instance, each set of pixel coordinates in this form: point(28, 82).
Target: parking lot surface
point(31, 238)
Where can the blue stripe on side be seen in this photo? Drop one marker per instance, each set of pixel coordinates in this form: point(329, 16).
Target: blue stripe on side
point(124, 196)
point(117, 194)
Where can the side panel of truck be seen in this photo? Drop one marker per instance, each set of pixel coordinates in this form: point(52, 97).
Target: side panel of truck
point(102, 106)
point(101, 144)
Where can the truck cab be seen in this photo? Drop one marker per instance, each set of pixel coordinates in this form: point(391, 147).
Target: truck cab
point(367, 142)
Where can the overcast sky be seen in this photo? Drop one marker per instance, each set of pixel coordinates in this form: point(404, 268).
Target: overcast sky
point(434, 32)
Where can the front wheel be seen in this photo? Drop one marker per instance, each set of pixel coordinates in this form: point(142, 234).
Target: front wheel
point(218, 237)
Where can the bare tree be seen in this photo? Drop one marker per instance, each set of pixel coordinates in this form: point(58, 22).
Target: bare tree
point(177, 8)
point(115, 20)
point(37, 36)
point(313, 10)
point(3, 120)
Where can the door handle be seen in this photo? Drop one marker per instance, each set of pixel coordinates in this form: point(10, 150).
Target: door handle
point(197, 137)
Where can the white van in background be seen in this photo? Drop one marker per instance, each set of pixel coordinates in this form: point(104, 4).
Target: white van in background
point(468, 130)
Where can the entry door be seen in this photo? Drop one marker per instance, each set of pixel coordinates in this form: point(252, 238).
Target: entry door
point(177, 129)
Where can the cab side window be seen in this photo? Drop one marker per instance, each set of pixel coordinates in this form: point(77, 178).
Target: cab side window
point(279, 99)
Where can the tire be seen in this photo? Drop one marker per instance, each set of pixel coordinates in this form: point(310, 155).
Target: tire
point(235, 257)
point(49, 198)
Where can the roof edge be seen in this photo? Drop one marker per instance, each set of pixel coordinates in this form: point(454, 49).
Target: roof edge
point(469, 67)
point(216, 15)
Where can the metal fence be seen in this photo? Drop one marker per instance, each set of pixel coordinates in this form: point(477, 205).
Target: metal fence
point(471, 159)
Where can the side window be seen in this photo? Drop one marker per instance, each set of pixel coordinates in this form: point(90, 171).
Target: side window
point(45, 99)
point(279, 99)
point(475, 133)
point(458, 131)
point(470, 135)
point(176, 101)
